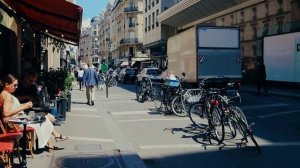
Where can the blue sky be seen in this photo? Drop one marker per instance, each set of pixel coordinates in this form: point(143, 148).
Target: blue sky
point(91, 8)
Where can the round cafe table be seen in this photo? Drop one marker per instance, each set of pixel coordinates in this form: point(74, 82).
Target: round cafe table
point(25, 121)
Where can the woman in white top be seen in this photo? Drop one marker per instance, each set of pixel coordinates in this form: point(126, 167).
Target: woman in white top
point(12, 107)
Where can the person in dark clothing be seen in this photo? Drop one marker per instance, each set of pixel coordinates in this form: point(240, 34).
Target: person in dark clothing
point(261, 79)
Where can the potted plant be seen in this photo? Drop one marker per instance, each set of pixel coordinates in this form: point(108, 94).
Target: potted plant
point(59, 85)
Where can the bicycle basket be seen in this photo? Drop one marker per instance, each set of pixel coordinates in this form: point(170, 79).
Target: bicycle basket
point(192, 95)
point(172, 83)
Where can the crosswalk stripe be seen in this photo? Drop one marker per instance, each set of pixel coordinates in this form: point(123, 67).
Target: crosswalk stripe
point(83, 109)
point(90, 139)
point(83, 115)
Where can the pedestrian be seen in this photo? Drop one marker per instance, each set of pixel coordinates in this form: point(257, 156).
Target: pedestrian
point(91, 80)
point(80, 78)
point(261, 79)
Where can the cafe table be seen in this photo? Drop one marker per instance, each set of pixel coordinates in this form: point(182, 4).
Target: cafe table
point(25, 120)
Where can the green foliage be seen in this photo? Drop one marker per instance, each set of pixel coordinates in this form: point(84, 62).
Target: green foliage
point(57, 80)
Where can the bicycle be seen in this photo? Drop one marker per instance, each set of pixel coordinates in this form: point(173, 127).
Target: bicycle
point(146, 91)
point(206, 115)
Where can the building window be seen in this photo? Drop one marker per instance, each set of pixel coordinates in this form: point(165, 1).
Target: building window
point(153, 20)
point(280, 9)
point(242, 34)
point(146, 22)
point(157, 1)
point(149, 5)
point(280, 27)
point(242, 16)
point(254, 50)
point(254, 33)
point(267, 9)
point(266, 29)
point(149, 22)
point(222, 20)
point(232, 19)
point(157, 13)
point(254, 13)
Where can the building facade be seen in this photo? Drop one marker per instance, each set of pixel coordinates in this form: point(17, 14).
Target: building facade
point(126, 29)
point(256, 19)
point(155, 34)
point(85, 44)
point(104, 34)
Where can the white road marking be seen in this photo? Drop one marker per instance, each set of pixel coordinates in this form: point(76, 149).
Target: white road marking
point(153, 119)
point(83, 115)
point(263, 106)
point(126, 101)
point(117, 97)
point(280, 144)
point(129, 112)
point(172, 146)
point(90, 139)
point(278, 114)
point(83, 109)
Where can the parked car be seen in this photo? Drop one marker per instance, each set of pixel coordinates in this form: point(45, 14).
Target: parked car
point(153, 73)
point(127, 75)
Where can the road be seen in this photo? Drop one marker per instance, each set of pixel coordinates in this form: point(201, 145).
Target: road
point(168, 141)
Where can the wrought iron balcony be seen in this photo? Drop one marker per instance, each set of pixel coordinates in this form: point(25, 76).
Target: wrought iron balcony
point(130, 41)
point(131, 9)
point(131, 24)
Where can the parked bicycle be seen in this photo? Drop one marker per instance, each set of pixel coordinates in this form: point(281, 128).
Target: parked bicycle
point(146, 91)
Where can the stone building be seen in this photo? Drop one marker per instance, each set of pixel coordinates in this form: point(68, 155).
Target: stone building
point(155, 34)
point(104, 34)
point(256, 19)
point(126, 29)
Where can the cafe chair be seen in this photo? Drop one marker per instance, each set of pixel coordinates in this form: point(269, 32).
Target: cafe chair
point(7, 143)
point(30, 137)
point(6, 151)
point(18, 130)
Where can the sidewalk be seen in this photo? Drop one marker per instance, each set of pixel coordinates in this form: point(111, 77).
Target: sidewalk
point(96, 141)
point(91, 142)
point(273, 91)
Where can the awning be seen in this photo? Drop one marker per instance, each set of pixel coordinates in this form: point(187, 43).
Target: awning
point(58, 18)
point(125, 63)
point(186, 13)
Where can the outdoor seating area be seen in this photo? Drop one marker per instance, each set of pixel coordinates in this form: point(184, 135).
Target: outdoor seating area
point(14, 143)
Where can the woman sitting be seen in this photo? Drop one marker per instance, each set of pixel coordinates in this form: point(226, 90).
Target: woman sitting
point(12, 107)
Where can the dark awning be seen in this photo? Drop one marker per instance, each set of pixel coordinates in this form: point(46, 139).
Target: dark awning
point(58, 18)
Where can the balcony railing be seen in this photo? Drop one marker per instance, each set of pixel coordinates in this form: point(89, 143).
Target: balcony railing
point(132, 24)
point(130, 41)
point(131, 9)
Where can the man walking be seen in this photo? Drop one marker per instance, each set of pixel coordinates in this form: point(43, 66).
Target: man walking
point(80, 78)
point(91, 80)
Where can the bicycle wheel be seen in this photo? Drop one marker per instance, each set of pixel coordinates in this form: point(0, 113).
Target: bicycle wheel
point(217, 124)
point(198, 116)
point(177, 107)
point(114, 82)
point(156, 98)
point(140, 97)
point(232, 126)
point(244, 128)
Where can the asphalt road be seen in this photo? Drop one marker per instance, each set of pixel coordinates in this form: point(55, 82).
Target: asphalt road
point(169, 141)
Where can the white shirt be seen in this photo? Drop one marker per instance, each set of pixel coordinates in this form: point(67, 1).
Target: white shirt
point(80, 73)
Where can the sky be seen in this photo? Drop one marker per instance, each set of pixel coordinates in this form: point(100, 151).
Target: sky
point(91, 8)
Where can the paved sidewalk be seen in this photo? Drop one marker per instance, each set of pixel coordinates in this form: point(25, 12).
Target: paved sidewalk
point(94, 139)
point(91, 142)
point(288, 92)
